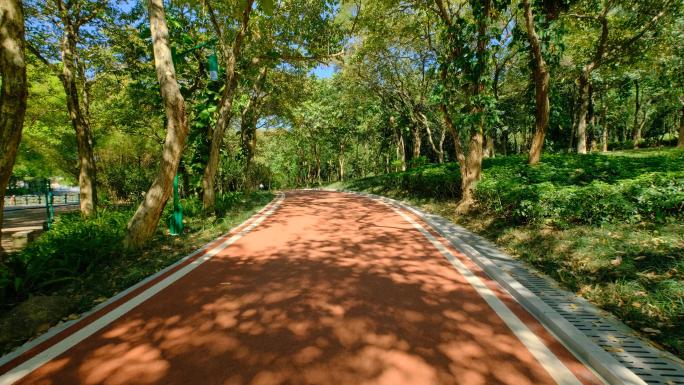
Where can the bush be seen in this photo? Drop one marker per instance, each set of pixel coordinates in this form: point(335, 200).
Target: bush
point(78, 254)
point(72, 248)
point(564, 189)
point(431, 181)
point(590, 189)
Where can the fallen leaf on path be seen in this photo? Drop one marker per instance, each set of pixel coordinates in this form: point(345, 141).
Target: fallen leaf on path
point(614, 350)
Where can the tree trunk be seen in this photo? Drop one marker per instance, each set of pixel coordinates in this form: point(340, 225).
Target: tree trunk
point(680, 141)
point(145, 220)
point(473, 159)
point(13, 93)
point(473, 169)
point(636, 128)
point(489, 146)
point(573, 123)
point(401, 152)
point(87, 177)
point(591, 118)
point(248, 122)
point(416, 142)
point(318, 167)
point(458, 146)
point(582, 113)
point(435, 149)
point(541, 86)
point(340, 161)
point(442, 137)
point(401, 146)
point(226, 104)
point(604, 126)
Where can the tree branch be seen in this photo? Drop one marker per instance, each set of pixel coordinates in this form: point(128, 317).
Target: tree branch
point(444, 12)
point(323, 59)
point(42, 58)
point(217, 27)
point(627, 43)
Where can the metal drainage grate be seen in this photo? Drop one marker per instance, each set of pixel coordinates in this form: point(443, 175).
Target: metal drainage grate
point(654, 366)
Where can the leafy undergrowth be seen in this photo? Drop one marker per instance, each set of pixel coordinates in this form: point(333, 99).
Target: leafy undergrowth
point(83, 262)
point(608, 227)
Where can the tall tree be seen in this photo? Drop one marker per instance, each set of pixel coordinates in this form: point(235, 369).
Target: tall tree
point(541, 86)
point(640, 19)
point(69, 18)
point(248, 124)
point(145, 220)
point(231, 54)
point(464, 63)
point(13, 92)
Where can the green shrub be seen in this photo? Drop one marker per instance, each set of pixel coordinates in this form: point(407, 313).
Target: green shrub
point(590, 189)
point(72, 249)
point(647, 185)
point(431, 181)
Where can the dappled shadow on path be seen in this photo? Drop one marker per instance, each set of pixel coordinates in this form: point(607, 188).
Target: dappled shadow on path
point(332, 289)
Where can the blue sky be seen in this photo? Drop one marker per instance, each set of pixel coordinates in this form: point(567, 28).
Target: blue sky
point(324, 71)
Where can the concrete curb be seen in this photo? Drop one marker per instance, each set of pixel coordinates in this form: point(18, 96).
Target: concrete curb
point(584, 349)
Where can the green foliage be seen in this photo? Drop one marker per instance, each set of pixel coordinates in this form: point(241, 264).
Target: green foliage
point(72, 249)
point(84, 258)
point(591, 189)
point(562, 190)
point(426, 182)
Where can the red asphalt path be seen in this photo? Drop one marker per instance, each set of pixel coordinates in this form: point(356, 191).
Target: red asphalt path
point(330, 288)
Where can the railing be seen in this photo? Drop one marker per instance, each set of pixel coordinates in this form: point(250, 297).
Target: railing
point(39, 200)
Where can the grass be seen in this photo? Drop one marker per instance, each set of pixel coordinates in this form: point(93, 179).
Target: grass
point(83, 262)
point(608, 227)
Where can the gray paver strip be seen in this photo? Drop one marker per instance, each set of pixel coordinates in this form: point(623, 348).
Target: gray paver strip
point(610, 347)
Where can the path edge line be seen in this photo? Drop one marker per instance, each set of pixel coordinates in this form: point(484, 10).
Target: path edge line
point(210, 249)
point(586, 350)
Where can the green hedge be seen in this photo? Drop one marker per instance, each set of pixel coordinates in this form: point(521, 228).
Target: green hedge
point(644, 185)
point(588, 189)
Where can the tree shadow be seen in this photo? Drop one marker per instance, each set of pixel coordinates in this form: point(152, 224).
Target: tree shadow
point(331, 289)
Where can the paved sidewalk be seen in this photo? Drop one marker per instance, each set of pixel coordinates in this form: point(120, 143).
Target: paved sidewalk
point(20, 218)
point(321, 288)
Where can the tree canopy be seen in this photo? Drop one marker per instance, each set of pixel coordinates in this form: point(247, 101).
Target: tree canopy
point(298, 93)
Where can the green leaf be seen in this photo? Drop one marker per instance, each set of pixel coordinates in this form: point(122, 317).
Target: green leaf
point(267, 6)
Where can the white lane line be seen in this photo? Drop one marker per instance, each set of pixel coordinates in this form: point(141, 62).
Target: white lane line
point(558, 371)
point(20, 371)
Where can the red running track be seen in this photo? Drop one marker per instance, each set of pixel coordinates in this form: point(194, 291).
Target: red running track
point(331, 288)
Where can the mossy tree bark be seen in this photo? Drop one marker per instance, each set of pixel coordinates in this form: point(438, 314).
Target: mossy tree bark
point(13, 92)
point(541, 86)
point(145, 220)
